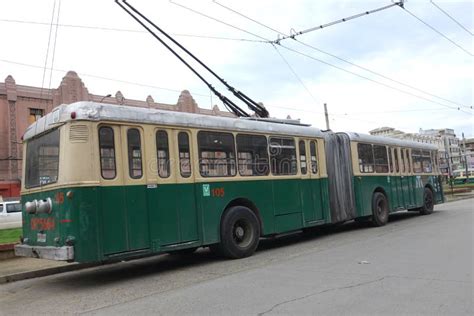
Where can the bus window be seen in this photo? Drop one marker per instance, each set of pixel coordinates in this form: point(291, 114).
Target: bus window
point(381, 159)
point(283, 156)
point(302, 150)
point(366, 158)
point(426, 164)
point(314, 158)
point(395, 160)
point(216, 154)
point(402, 160)
point(184, 155)
point(163, 154)
point(407, 161)
point(252, 155)
point(107, 152)
point(134, 154)
point(390, 167)
point(416, 156)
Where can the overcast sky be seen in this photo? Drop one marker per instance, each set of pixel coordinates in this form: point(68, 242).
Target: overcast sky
point(391, 43)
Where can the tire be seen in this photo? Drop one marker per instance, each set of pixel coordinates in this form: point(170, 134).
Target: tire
point(428, 204)
point(240, 233)
point(379, 209)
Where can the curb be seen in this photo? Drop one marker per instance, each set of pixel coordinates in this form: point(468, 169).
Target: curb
point(7, 251)
point(45, 272)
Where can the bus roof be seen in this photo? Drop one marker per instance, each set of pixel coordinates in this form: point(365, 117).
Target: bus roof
point(93, 111)
point(364, 138)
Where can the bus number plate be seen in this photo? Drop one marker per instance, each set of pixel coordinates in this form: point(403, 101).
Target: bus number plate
point(41, 237)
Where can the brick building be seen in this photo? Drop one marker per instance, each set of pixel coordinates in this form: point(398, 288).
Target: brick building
point(22, 105)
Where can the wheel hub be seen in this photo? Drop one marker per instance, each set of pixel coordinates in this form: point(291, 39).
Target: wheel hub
point(239, 232)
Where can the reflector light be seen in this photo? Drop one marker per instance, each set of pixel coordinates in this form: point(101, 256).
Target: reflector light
point(73, 115)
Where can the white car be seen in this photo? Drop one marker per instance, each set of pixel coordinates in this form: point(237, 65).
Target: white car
point(10, 209)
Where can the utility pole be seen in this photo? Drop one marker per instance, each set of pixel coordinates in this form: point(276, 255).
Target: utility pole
point(465, 158)
point(326, 115)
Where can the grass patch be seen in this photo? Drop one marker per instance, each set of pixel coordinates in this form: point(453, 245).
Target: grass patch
point(10, 235)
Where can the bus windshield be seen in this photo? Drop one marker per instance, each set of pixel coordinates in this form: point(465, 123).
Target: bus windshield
point(42, 160)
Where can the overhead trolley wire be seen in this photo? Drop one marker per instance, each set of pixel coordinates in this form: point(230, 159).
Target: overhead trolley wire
point(438, 32)
point(54, 45)
point(452, 18)
point(342, 59)
point(47, 48)
point(321, 61)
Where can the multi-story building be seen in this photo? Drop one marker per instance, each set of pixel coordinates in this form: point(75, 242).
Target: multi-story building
point(469, 143)
point(444, 139)
point(21, 105)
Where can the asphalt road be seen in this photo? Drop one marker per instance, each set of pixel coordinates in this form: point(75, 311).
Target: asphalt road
point(414, 265)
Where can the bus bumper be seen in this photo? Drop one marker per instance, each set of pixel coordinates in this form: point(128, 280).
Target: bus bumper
point(65, 253)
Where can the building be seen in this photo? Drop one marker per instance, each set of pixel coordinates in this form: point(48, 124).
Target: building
point(21, 105)
point(469, 149)
point(444, 139)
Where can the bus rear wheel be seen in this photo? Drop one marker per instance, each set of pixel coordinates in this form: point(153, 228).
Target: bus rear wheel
point(379, 209)
point(428, 204)
point(240, 233)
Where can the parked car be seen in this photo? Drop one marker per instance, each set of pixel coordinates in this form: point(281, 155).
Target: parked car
point(11, 209)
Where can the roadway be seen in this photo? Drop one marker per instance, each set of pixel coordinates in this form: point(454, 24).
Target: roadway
point(414, 265)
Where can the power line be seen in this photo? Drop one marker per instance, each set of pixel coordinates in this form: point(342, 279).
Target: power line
point(438, 32)
point(101, 77)
point(340, 58)
point(319, 60)
point(54, 46)
point(453, 19)
point(103, 28)
point(47, 49)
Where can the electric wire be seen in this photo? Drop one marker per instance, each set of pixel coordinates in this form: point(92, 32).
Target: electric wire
point(47, 49)
point(54, 46)
point(452, 18)
point(320, 60)
point(130, 30)
point(340, 58)
point(438, 32)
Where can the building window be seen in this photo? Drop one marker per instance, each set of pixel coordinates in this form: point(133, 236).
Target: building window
point(134, 154)
point(252, 155)
point(302, 150)
point(163, 154)
point(184, 155)
point(283, 156)
point(216, 154)
point(107, 152)
point(35, 114)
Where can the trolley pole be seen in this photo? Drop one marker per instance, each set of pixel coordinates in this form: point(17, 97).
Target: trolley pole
point(326, 115)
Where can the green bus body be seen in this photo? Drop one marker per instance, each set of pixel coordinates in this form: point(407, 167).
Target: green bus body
point(102, 224)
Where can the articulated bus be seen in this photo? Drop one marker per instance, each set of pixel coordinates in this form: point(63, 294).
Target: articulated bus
point(106, 182)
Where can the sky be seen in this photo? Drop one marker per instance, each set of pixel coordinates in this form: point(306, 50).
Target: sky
point(382, 69)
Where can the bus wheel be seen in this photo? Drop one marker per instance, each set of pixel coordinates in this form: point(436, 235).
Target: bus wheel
point(428, 204)
point(240, 233)
point(379, 209)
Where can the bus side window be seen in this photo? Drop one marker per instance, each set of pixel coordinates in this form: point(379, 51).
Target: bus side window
point(302, 149)
point(395, 159)
point(417, 160)
point(252, 155)
point(314, 158)
point(107, 152)
point(381, 159)
point(390, 167)
point(366, 158)
point(184, 155)
point(163, 154)
point(409, 167)
point(134, 154)
point(402, 159)
point(283, 156)
point(426, 163)
point(216, 154)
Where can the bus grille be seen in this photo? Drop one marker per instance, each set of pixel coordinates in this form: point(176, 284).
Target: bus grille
point(78, 134)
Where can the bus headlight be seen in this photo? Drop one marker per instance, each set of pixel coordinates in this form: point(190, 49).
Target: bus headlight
point(45, 206)
point(30, 207)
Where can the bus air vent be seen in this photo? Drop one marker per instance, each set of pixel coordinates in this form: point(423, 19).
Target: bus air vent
point(78, 134)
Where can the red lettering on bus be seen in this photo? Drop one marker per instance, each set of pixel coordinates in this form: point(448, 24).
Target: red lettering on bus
point(42, 223)
point(60, 197)
point(218, 192)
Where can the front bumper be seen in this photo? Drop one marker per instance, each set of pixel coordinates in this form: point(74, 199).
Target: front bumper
point(65, 253)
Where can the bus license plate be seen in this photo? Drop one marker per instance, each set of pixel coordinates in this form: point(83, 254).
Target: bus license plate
point(41, 237)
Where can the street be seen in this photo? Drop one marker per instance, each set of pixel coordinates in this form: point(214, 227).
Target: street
point(414, 265)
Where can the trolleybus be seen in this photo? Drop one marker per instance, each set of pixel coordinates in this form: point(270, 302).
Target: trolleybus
point(105, 182)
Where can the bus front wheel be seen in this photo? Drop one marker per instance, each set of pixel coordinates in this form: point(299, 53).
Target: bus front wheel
point(379, 209)
point(240, 233)
point(428, 204)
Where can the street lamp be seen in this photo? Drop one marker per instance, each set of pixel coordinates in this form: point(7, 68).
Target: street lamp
point(106, 96)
